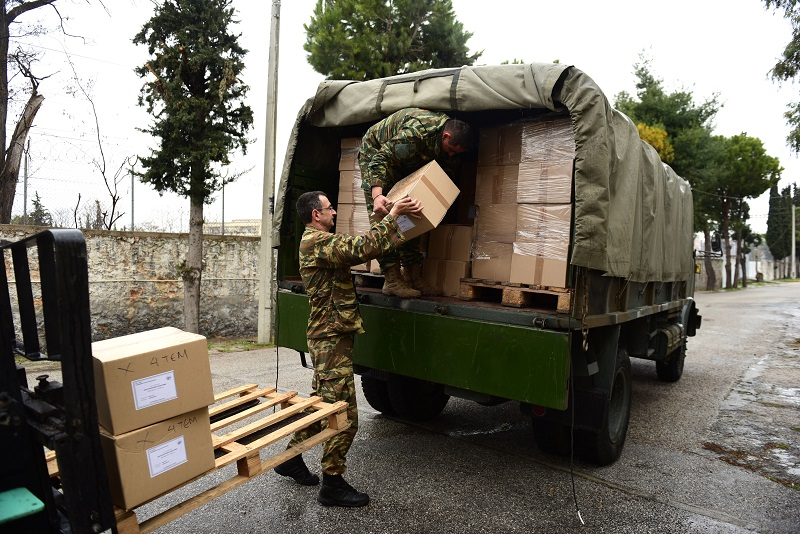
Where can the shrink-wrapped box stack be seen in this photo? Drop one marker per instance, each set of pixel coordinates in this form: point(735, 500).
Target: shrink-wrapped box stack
point(153, 390)
point(351, 209)
point(523, 195)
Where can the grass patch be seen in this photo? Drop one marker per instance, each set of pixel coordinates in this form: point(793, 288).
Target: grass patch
point(236, 345)
point(781, 446)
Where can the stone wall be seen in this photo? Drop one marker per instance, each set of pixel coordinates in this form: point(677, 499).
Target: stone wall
point(134, 283)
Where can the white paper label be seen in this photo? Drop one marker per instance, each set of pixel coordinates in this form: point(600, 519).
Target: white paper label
point(166, 456)
point(154, 390)
point(405, 223)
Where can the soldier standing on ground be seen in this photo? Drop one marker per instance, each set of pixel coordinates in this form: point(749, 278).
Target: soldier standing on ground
point(325, 261)
point(392, 149)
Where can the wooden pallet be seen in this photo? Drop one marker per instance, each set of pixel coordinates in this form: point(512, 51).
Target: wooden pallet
point(515, 295)
point(243, 446)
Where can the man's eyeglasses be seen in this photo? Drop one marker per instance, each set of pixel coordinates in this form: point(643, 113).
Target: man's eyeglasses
point(328, 208)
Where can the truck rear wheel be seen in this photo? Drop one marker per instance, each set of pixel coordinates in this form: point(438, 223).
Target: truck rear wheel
point(604, 446)
point(671, 369)
point(377, 394)
point(416, 400)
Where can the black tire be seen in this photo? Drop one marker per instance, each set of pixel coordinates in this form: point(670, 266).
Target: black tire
point(550, 436)
point(377, 394)
point(416, 400)
point(671, 369)
point(604, 446)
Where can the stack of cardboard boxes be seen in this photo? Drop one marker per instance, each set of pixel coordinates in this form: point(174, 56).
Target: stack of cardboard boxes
point(448, 258)
point(523, 194)
point(351, 209)
point(153, 390)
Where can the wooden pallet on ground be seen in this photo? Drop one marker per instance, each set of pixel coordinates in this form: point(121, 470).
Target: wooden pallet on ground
point(243, 446)
point(515, 295)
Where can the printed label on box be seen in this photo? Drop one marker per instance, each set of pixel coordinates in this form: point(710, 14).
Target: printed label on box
point(166, 456)
point(154, 390)
point(405, 223)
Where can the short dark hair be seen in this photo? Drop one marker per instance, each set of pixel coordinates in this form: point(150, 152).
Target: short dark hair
point(307, 203)
point(460, 133)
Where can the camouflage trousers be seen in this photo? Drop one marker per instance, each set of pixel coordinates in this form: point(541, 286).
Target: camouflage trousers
point(406, 254)
point(333, 381)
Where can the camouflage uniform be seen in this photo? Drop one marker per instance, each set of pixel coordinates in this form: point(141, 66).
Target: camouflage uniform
point(391, 150)
point(325, 261)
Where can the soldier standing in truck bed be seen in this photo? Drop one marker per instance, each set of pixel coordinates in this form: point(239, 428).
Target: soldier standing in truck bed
point(392, 149)
point(325, 261)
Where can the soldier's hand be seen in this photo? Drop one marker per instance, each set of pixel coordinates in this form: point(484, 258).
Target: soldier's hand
point(382, 206)
point(407, 206)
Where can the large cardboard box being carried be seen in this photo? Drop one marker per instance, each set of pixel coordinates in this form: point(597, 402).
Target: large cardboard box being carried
point(144, 378)
point(434, 189)
point(147, 462)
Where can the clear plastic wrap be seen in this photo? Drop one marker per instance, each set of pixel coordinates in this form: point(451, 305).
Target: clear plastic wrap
point(543, 230)
point(496, 222)
point(496, 184)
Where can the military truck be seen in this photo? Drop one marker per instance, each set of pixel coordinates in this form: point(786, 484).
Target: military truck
point(561, 351)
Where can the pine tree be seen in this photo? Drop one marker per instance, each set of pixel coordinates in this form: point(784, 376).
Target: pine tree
point(367, 39)
point(198, 113)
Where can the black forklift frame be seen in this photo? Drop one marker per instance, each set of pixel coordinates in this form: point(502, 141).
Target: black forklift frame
point(61, 417)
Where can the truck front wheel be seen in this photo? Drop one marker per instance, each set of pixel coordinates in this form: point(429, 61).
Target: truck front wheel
point(416, 400)
point(605, 445)
point(671, 369)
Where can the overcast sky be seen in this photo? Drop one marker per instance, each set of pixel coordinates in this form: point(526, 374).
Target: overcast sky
point(705, 46)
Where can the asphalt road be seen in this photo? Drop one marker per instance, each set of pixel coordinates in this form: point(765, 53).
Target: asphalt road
point(717, 451)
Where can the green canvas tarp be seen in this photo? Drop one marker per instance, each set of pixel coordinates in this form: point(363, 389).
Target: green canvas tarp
point(633, 214)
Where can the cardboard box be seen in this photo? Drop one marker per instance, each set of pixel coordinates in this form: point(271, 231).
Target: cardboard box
point(529, 268)
point(147, 462)
point(350, 191)
point(496, 222)
point(446, 274)
point(434, 189)
point(365, 267)
point(544, 182)
point(348, 160)
point(144, 378)
point(547, 140)
point(496, 184)
point(500, 145)
point(546, 224)
point(351, 142)
point(352, 219)
point(450, 242)
point(492, 260)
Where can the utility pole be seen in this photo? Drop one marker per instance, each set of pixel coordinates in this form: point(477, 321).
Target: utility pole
point(794, 234)
point(265, 263)
point(25, 184)
point(133, 179)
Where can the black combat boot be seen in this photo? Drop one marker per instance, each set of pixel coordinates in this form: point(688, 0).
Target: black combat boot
point(336, 492)
point(296, 469)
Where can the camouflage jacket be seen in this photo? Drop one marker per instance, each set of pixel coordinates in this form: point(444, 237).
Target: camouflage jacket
point(325, 261)
point(400, 144)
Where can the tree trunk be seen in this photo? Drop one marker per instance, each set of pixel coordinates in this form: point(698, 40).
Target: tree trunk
point(9, 173)
point(193, 268)
point(727, 237)
point(711, 275)
point(744, 270)
point(736, 263)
